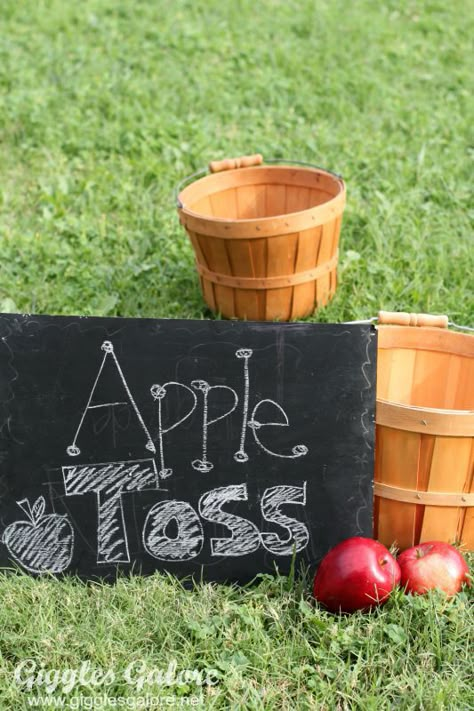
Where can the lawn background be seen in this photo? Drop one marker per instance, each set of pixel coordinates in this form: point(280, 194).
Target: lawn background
point(105, 106)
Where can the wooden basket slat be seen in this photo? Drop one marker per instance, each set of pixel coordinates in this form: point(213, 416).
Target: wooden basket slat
point(429, 379)
point(465, 395)
point(240, 258)
point(225, 299)
point(325, 252)
point(260, 192)
point(448, 472)
point(246, 305)
point(250, 201)
point(278, 304)
point(275, 201)
point(384, 370)
point(318, 197)
point(204, 206)
point(206, 286)
point(258, 255)
point(200, 255)
point(400, 389)
point(281, 256)
point(335, 250)
point(208, 289)
point(304, 295)
point(454, 369)
point(336, 233)
point(258, 250)
point(224, 204)
point(427, 444)
point(296, 199)
point(397, 464)
point(216, 257)
point(242, 264)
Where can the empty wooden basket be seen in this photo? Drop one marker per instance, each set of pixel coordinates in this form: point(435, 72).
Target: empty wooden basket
point(424, 454)
point(265, 237)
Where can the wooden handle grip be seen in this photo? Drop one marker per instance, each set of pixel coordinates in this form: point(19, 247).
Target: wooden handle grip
point(401, 318)
point(216, 166)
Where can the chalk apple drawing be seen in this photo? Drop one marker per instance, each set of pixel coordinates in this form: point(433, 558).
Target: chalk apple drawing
point(43, 543)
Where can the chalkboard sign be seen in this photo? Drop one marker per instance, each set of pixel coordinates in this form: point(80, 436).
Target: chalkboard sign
point(213, 449)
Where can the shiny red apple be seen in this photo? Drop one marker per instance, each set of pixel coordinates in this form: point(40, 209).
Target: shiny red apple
point(433, 565)
point(357, 574)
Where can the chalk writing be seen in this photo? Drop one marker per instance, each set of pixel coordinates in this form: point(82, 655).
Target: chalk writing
point(159, 393)
point(298, 534)
point(244, 353)
point(187, 538)
point(203, 464)
point(245, 536)
point(298, 451)
point(42, 544)
point(109, 482)
point(186, 544)
point(73, 450)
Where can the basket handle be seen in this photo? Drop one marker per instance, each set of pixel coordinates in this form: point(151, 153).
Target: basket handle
point(216, 166)
point(401, 318)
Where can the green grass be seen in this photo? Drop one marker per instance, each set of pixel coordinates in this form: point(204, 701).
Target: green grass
point(265, 647)
point(104, 107)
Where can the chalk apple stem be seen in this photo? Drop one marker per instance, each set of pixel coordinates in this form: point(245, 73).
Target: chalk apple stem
point(24, 504)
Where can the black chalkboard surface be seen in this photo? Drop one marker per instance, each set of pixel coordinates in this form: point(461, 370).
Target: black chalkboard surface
point(216, 449)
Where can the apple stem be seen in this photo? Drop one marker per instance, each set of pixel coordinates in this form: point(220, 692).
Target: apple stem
point(421, 552)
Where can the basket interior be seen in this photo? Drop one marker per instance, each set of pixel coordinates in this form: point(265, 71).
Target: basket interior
point(426, 378)
point(257, 193)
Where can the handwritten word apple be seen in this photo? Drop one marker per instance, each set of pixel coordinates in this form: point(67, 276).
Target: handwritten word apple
point(42, 544)
point(357, 574)
point(433, 565)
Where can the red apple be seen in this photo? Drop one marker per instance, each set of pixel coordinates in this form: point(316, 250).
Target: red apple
point(433, 565)
point(357, 574)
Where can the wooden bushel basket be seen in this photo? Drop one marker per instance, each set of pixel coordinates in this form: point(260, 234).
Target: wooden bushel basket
point(265, 237)
point(424, 453)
